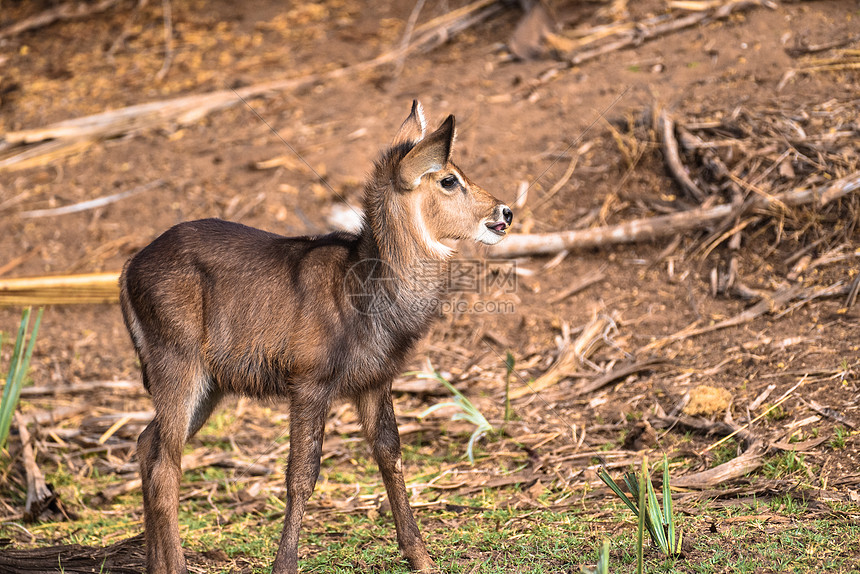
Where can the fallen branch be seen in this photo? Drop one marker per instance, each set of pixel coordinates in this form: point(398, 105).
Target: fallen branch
point(52, 417)
point(85, 387)
point(124, 557)
point(740, 466)
point(92, 203)
point(192, 461)
point(801, 48)
point(635, 33)
point(806, 445)
point(829, 413)
point(666, 225)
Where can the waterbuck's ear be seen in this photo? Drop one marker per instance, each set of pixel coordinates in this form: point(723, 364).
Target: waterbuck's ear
point(430, 155)
point(413, 128)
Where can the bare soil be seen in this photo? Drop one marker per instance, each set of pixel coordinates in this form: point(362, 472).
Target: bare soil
point(508, 133)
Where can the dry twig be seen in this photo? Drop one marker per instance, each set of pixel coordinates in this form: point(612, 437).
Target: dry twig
point(673, 159)
point(167, 15)
point(39, 495)
point(67, 11)
point(628, 34)
point(92, 203)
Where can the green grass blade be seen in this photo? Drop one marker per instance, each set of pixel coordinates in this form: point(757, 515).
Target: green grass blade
point(668, 515)
point(468, 412)
point(640, 529)
point(479, 432)
point(632, 482)
point(655, 517)
point(25, 364)
point(17, 369)
point(603, 558)
point(23, 367)
point(7, 403)
point(19, 341)
point(436, 407)
point(604, 476)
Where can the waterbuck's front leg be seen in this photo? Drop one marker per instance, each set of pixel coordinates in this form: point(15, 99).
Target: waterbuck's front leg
point(376, 413)
point(307, 426)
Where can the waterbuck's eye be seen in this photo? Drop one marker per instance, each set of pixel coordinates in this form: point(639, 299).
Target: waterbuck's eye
point(450, 182)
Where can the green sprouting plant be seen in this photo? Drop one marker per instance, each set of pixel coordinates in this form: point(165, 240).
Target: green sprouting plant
point(18, 366)
point(659, 523)
point(468, 411)
point(784, 464)
point(839, 436)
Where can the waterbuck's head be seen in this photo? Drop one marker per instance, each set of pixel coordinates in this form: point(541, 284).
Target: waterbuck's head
point(441, 202)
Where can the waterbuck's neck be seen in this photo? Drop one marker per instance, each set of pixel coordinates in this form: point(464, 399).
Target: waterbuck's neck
point(411, 267)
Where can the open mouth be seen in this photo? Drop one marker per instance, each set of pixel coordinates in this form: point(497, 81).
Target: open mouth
point(499, 227)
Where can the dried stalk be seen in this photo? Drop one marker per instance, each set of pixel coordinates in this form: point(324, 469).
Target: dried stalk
point(167, 15)
point(59, 290)
point(615, 374)
point(578, 285)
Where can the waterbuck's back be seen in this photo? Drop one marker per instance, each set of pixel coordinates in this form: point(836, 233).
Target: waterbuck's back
point(256, 311)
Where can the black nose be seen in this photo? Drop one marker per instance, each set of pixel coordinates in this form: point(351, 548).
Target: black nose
point(507, 214)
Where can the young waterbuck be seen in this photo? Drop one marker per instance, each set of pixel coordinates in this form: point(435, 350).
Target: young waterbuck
point(215, 307)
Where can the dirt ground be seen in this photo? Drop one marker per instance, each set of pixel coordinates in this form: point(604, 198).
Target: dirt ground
point(511, 129)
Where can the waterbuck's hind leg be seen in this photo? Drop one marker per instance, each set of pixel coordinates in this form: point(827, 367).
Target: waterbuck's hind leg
point(160, 473)
point(308, 413)
point(183, 400)
point(376, 413)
